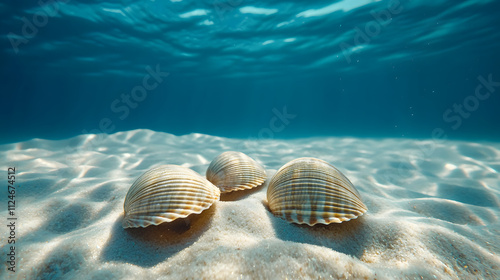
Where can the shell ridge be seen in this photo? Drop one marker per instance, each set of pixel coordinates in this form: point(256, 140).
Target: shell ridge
point(311, 191)
point(165, 193)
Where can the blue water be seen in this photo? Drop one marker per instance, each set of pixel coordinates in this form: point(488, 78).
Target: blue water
point(251, 69)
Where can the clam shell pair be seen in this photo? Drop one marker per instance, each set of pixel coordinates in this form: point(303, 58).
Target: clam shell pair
point(169, 192)
point(311, 191)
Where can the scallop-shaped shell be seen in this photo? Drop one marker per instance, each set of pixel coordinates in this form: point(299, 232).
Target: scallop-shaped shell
point(166, 193)
point(233, 171)
point(311, 191)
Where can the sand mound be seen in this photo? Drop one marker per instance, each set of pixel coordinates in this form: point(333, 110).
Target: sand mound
point(433, 211)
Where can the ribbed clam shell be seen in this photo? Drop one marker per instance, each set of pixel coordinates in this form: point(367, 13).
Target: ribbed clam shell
point(311, 191)
point(166, 193)
point(233, 171)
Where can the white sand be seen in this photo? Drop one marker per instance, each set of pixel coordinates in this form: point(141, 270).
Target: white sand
point(433, 211)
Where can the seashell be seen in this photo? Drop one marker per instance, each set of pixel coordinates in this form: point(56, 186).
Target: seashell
point(234, 171)
point(311, 191)
point(166, 193)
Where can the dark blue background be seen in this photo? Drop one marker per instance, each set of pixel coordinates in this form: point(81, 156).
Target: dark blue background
point(49, 92)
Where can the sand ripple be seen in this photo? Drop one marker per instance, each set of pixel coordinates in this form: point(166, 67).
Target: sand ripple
point(433, 211)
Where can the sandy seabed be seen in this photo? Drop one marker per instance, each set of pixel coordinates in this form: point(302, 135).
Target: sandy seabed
point(433, 211)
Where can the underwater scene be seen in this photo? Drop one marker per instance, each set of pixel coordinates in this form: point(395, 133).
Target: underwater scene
point(233, 139)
